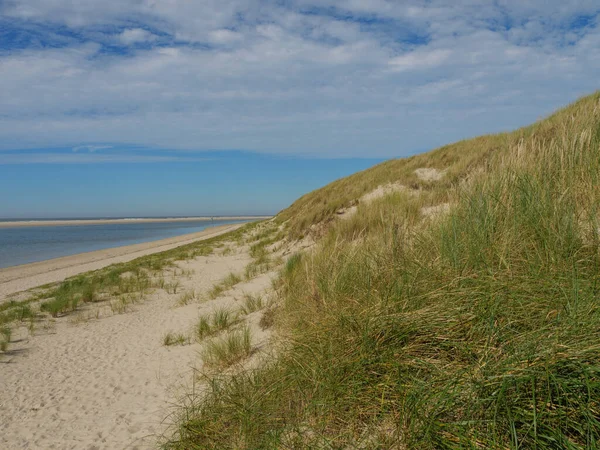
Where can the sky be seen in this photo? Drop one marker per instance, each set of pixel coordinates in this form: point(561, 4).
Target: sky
point(160, 107)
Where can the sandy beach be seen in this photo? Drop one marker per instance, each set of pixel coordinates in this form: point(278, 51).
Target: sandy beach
point(20, 278)
point(54, 223)
point(100, 379)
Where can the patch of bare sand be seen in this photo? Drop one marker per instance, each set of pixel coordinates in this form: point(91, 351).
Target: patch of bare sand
point(380, 192)
point(435, 211)
point(109, 383)
point(429, 174)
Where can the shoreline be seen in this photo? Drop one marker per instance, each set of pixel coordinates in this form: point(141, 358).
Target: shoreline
point(23, 277)
point(103, 377)
point(80, 222)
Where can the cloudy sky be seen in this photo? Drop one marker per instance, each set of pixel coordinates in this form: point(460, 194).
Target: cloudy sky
point(329, 78)
point(159, 81)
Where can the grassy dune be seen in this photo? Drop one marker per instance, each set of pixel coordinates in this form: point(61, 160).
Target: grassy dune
point(474, 327)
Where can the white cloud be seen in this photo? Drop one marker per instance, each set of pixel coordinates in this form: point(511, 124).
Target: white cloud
point(135, 35)
point(224, 36)
point(419, 60)
point(362, 78)
point(91, 148)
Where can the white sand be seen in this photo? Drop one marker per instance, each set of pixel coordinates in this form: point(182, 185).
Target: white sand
point(429, 174)
point(20, 278)
point(108, 383)
point(379, 192)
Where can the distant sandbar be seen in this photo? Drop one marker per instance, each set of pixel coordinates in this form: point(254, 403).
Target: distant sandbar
point(55, 223)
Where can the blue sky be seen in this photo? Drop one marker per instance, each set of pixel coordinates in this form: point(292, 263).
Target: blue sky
point(293, 92)
point(219, 183)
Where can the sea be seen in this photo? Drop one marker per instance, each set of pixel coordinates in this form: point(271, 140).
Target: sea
point(23, 245)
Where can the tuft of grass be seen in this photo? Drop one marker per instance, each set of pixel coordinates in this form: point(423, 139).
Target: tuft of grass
point(6, 333)
point(23, 312)
point(172, 287)
point(262, 260)
point(267, 320)
point(252, 303)
point(171, 338)
point(159, 282)
point(220, 320)
point(13, 310)
point(203, 328)
point(221, 353)
point(186, 298)
point(62, 303)
point(227, 283)
point(119, 305)
point(89, 294)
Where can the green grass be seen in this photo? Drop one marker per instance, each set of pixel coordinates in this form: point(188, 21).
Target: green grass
point(479, 329)
point(224, 352)
point(62, 303)
point(252, 303)
point(227, 283)
point(5, 334)
point(262, 260)
point(220, 320)
point(187, 297)
point(12, 310)
point(172, 287)
point(171, 338)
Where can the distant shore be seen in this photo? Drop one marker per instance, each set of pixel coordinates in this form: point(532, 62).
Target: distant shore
point(20, 278)
point(79, 222)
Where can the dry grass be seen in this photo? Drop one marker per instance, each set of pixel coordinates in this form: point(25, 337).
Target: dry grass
point(478, 328)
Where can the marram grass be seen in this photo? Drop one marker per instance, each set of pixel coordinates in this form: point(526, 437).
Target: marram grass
point(477, 329)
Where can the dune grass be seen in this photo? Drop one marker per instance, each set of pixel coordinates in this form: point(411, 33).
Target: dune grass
point(224, 285)
point(252, 303)
point(5, 334)
point(476, 329)
point(187, 297)
point(221, 353)
point(220, 320)
point(172, 338)
point(262, 257)
point(12, 311)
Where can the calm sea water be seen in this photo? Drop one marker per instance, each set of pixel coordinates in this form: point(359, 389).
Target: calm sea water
point(22, 245)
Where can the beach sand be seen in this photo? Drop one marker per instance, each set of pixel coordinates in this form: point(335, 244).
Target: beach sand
point(20, 278)
point(109, 382)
